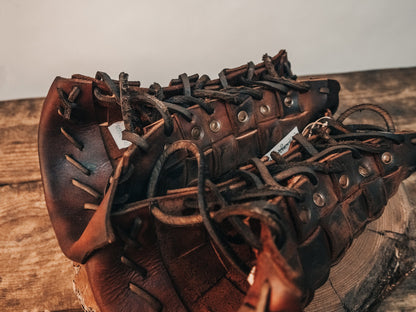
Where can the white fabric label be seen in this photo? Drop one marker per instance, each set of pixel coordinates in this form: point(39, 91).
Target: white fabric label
point(283, 146)
point(250, 277)
point(116, 130)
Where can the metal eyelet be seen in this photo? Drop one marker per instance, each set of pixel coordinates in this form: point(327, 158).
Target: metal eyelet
point(318, 199)
point(196, 133)
point(288, 101)
point(387, 158)
point(264, 109)
point(242, 116)
point(344, 181)
point(215, 125)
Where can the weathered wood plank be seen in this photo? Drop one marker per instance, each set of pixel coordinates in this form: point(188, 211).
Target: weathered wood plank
point(392, 89)
point(18, 140)
point(20, 112)
point(19, 155)
point(34, 274)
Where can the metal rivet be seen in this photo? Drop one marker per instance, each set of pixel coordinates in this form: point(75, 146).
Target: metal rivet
point(288, 101)
point(196, 133)
point(387, 158)
point(264, 109)
point(344, 181)
point(242, 116)
point(363, 171)
point(215, 126)
point(318, 199)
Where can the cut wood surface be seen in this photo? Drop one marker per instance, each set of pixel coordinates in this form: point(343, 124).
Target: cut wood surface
point(18, 141)
point(377, 260)
point(35, 276)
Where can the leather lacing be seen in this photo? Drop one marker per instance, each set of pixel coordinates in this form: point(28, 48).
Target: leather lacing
point(65, 110)
point(136, 117)
point(135, 105)
point(267, 178)
point(129, 238)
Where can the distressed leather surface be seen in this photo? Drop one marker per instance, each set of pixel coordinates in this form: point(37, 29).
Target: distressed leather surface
point(315, 235)
point(82, 192)
point(234, 144)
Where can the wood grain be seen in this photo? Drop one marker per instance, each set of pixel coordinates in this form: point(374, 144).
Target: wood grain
point(354, 284)
point(377, 260)
point(35, 276)
point(18, 141)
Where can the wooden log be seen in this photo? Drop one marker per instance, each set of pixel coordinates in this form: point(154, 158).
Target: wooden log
point(366, 276)
point(377, 260)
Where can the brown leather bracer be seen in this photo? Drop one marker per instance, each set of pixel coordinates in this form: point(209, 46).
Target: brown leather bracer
point(241, 115)
point(287, 220)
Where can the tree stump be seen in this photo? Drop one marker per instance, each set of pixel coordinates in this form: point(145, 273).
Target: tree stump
point(376, 261)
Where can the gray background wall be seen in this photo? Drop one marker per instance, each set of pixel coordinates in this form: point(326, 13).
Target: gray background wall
point(157, 40)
